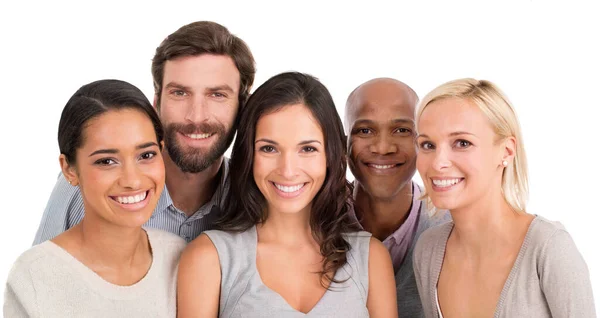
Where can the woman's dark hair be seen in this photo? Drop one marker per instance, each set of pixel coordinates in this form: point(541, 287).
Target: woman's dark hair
point(93, 100)
point(247, 206)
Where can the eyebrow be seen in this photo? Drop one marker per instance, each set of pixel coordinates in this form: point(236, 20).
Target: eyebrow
point(304, 142)
point(393, 121)
point(223, 87)
point(113, 151)
point(456, 133)
point(177, 85)
point(217, 88)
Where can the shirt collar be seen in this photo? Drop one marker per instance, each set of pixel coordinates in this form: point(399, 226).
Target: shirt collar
point(413, 214)
point(411, 220)
point(217, 199)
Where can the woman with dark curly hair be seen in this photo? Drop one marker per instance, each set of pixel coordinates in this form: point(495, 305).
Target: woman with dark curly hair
point(286, 246)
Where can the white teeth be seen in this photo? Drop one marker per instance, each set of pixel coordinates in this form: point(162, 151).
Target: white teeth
point(132, 199)
point(199, 136)
point(289, 189)
point(445, 183)
point(382, 166)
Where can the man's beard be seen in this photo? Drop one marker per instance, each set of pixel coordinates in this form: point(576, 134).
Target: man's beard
point(194, 160)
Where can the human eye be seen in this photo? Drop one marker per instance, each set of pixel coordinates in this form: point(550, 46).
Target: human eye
point(309, 149)
point(105, 162)
point(462, 144)
point(267, 149)
point(178, 93)
point(426, 145)
point(403, 131)
point(148, 155)
point(219, 95)
point(362, 131)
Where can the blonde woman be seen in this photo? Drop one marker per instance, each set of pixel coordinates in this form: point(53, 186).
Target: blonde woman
point(494, 259)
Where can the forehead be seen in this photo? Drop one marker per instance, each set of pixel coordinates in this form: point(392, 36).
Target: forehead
point(451, 115)
point(381, 102)
point(294, 123)
point(118, 129)
point(204, 70)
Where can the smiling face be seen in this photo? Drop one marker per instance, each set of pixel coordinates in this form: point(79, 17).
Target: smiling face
point(118, 168)
point(460, 156)
point(198, 107)
point(289, 159)
point(381, 149)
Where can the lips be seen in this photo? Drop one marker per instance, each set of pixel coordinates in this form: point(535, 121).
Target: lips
point(382, 167)
point(199, 136)
point(133, 201)
point(445, 184)
point(289, 190)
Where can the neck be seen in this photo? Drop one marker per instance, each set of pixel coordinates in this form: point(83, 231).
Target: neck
point(382, 217)
point(488, 226)
point(291, 229)
point(190, 191)
point(112, 246)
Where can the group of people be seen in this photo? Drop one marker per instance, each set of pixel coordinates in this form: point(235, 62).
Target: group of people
point(149, 219)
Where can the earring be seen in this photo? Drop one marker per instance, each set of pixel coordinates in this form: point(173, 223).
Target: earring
point(70, 182)
point(505, 163)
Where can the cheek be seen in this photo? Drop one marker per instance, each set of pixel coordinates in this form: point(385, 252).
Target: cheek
point(155, 171)
point(356, 146)
point(225, 114)
point(316, 167)
point(423, 162)
point(96, 181)
point(259, 166)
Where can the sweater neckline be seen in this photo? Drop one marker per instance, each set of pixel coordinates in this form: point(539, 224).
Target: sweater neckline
point(99, 284)
point(441, 252)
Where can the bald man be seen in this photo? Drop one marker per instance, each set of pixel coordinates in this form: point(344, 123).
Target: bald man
point(380, 125)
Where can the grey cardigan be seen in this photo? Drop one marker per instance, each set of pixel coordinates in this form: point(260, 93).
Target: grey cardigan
point(409, 304)
point(549, 277)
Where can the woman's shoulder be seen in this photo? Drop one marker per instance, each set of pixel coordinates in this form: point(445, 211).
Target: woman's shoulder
point(159, 238)
point(542, 229)
point(37, 258)
point(546, 237)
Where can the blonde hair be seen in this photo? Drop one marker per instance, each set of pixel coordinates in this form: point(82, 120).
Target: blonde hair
point(501, 115)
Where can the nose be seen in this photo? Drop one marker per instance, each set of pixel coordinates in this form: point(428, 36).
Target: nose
point(383, 145)
point(288, 165)
point(131, 177)
point(441, 159)
point(196, 110)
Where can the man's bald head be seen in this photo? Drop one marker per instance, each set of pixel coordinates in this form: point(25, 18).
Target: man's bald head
point(381, 92)
point(380, 125)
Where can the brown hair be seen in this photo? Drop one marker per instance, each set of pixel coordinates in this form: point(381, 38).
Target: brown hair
point(205, 37)
point(329, 218)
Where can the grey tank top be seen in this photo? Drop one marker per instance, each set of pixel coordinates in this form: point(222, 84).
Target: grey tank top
point(243, 294)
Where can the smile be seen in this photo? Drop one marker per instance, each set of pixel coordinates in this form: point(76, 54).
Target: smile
point(289, 191)
point(445, 184)
point(376, 166)
point(199, 136)
point(132, 202)
point(131, 199)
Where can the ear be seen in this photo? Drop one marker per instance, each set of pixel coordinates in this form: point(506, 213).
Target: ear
point(510, 148)
point(162, 145)
point(68, 171)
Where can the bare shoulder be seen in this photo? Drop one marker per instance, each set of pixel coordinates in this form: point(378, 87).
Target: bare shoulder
point(200, 252)
point(378, 251)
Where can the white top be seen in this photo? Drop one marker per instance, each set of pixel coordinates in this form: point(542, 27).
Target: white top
point(437, 302)
point(47, 281)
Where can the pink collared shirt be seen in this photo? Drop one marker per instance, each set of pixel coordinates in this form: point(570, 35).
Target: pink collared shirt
point(399, 242)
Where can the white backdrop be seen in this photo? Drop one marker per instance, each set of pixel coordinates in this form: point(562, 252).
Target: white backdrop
point(544, 56)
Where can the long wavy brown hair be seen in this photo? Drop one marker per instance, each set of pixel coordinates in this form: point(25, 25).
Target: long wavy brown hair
point(329, 217)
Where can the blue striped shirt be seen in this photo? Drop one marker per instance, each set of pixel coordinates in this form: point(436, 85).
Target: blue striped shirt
point(65, 209)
